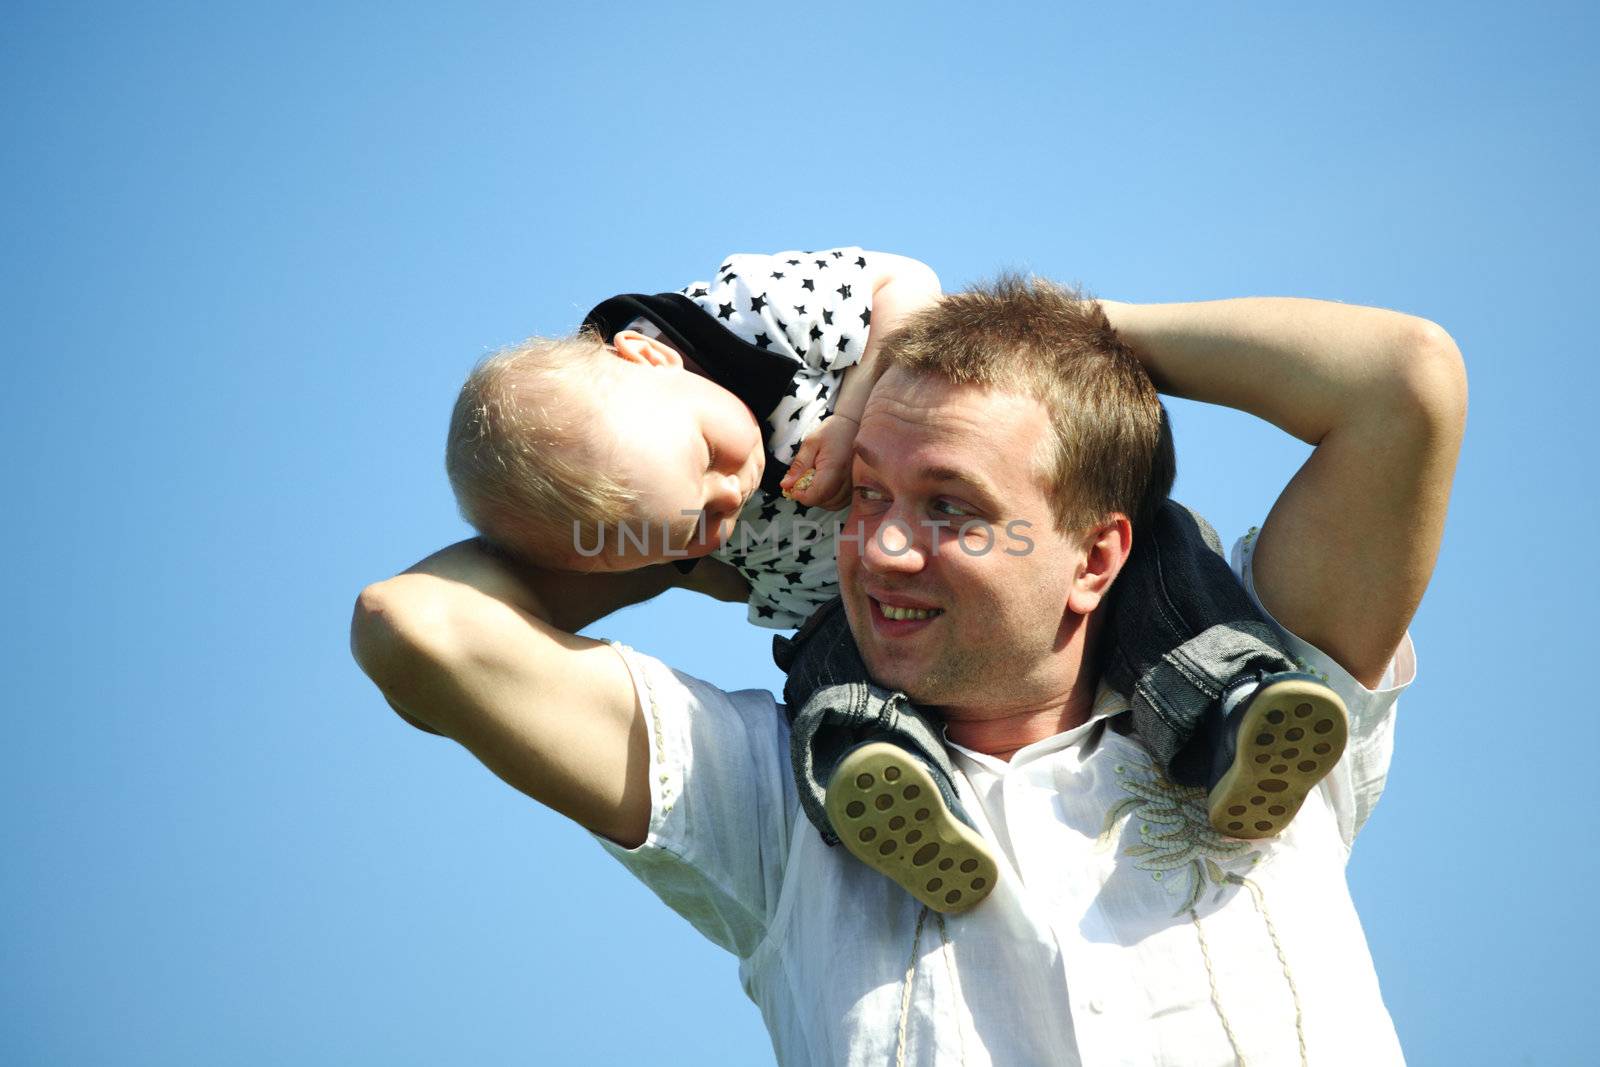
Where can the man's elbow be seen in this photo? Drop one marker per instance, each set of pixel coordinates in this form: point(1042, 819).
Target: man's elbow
point(1432, 378)
point(396, 627)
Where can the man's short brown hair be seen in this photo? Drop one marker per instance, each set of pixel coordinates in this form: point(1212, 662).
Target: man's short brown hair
point(1112, 447)
point(521, 449)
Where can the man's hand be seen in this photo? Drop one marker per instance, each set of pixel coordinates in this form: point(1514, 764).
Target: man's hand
point(819, 477)
point(717, 580)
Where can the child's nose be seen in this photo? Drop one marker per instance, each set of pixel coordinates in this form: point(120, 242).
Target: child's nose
point(723, 495)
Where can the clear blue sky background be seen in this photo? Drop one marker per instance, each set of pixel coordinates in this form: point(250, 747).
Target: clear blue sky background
point(249, 251)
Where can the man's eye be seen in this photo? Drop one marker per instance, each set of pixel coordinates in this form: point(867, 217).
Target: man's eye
point(950, 507)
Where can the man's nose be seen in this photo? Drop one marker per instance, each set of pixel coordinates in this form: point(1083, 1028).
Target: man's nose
point(892, 548)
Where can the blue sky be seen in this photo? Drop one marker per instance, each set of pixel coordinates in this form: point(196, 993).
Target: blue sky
point(249, 252)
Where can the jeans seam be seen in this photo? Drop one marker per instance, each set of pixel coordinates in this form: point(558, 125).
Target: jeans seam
point(1171, 615)
point(1192, 673)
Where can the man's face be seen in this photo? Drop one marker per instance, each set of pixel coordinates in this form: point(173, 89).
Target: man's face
point(931, 457)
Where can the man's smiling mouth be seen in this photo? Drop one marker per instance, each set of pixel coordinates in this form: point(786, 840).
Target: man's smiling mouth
point(904, 612)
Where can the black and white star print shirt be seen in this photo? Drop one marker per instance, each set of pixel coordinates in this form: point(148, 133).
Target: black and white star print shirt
point(790, 325)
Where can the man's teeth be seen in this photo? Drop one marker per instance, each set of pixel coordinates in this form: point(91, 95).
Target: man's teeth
point(909, 613)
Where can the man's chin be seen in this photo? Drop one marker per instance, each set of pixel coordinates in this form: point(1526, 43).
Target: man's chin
point(896, 672)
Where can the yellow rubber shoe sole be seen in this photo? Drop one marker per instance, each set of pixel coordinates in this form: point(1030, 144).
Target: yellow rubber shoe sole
point(1289, 738)
point(887, 810)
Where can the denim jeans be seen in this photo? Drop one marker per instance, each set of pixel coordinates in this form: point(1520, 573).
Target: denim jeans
point(833, 706)
point(1188, 631)
point(1182, 629)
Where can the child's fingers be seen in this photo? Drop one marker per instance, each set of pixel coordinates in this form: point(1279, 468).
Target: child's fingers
point(830, 484)
point(805, 458)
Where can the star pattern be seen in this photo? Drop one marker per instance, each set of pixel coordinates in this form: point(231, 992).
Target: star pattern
point(823, 330)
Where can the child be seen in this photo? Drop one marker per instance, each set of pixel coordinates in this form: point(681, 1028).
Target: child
point(639, 442)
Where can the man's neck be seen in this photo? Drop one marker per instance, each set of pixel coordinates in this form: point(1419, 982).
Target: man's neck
point(1002, 732)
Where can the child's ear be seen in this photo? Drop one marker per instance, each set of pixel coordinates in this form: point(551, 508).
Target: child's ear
point(1106, 548)
point(635, 347)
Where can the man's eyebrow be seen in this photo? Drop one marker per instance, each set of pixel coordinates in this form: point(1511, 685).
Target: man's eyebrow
point(980, 487)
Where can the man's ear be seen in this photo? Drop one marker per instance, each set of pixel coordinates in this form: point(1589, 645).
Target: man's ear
point(635, 347)
point(1105, 547)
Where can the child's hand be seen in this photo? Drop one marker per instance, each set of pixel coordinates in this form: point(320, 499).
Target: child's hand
point(819, 477)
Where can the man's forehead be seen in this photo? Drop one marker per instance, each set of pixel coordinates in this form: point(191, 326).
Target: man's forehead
point(941, 430)
point(911, 403)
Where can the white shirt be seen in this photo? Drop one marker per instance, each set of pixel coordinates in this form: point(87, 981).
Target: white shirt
point(1123, 929)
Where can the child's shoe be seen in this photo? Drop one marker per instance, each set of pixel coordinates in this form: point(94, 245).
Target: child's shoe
point(890, 812)
point(1280, 735)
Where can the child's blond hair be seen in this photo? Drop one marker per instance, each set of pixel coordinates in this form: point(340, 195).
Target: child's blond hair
point(521, 453)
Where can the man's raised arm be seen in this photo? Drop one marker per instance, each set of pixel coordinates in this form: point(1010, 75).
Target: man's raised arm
point(475, 648)
point(1345, 554)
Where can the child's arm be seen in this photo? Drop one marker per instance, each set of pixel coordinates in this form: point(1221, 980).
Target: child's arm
point(901, 288)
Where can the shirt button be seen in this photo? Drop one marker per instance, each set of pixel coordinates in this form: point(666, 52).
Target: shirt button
point(1097, 1006)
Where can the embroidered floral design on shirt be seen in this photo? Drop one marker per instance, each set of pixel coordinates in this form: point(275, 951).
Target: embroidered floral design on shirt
point(1177, 845)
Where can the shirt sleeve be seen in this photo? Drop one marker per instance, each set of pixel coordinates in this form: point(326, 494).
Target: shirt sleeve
point(814, 306)
point(722, 803)
point(1356, 782)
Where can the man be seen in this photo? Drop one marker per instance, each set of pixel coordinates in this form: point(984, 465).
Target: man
point(1122, 930)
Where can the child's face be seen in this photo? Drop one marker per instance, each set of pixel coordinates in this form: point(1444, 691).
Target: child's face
point(691, 449)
